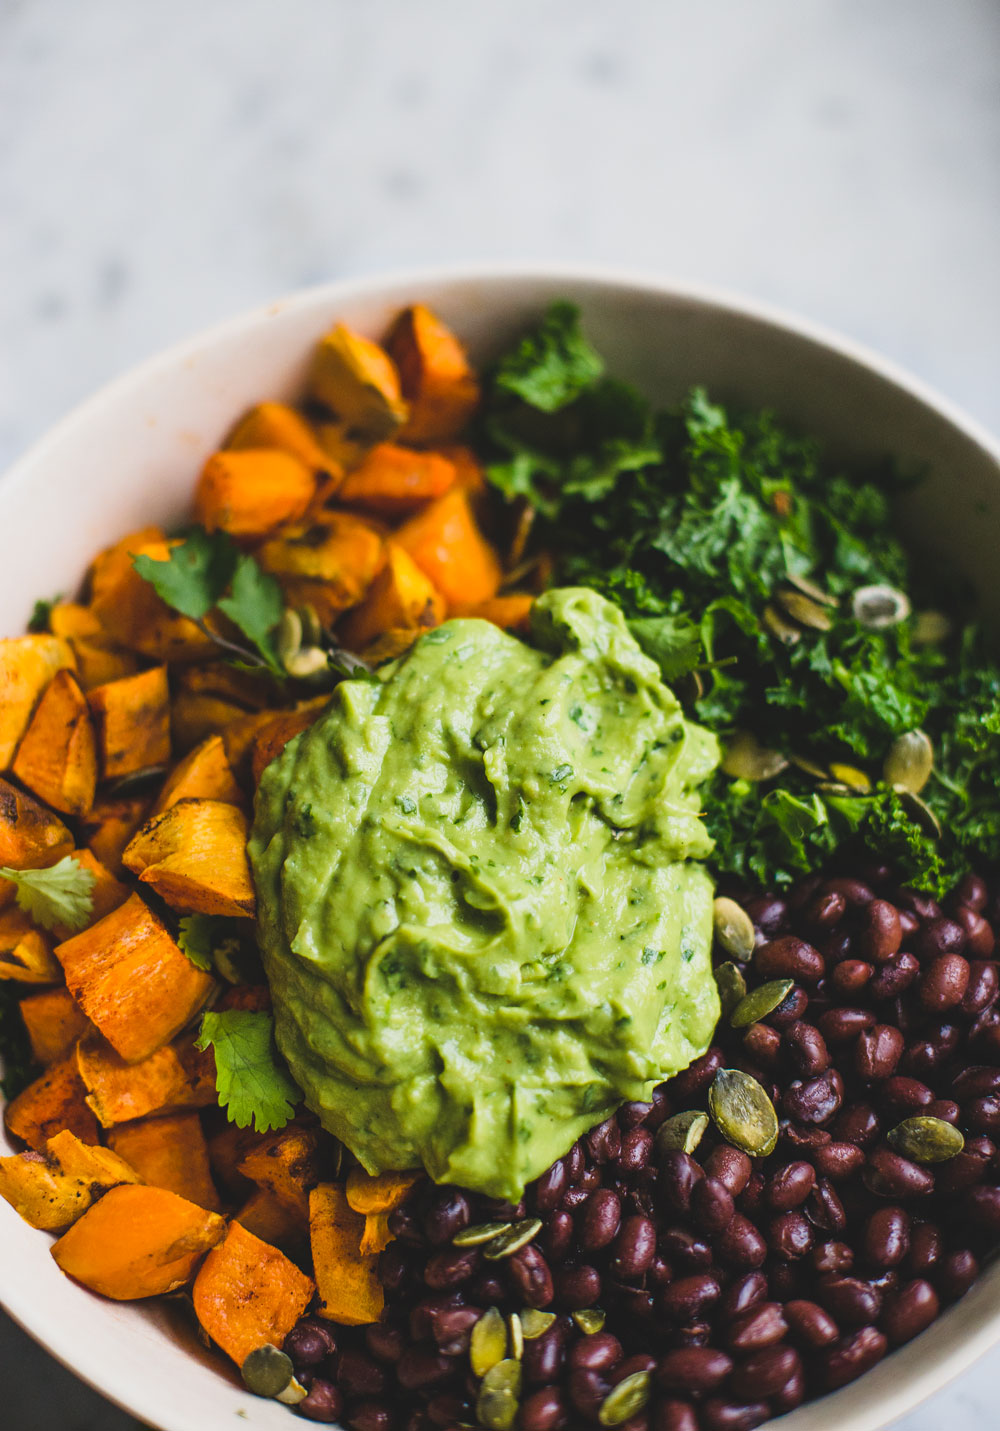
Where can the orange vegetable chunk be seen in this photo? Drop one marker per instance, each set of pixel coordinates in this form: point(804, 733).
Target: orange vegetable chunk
point(69, 619)
point(249, 493)
point(275, 424)
point(358, 381)
point(379, 1192)
point(267, 1218)
point(138, 1241)
point(272, 738)
point(110, 825)
point(248, 1294)
point(25, 950)
point(132, 717)
point(435, 375)
point(54, 1021)
point(27, 665)
point(401, 597)
point(57, 756)
point(512, 612)
point(393, 481)
point(448, 547)
point(50, 1192)
point(108, 893)
point(132, 981)
point(288, 1165)
point(194, 856)
point(51, 1104)
point(328, 563)
point(129, 609)
point(203, 774)
point(31, 837)
point(175, 1077)
point(169, 1152)
point(347, 1278)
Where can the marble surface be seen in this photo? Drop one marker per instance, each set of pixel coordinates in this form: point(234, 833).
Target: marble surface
point(165, 165)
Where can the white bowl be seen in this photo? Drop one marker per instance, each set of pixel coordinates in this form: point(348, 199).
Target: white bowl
point(129, 456)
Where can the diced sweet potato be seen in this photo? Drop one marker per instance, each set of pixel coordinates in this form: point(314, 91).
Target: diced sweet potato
point(275, 424)
point(512, 612)
point(448, 547)
point(390, 644)
point(216, 678)
point(25, 950)
point(344, 448)
point(54, 1021)
point(435, 375)
point(401, 596)
point(27, 665)
point(328, 563)
point(379, 1192)
point(57, 756)
point(251, 492)
point(132, 719)
point(169, 1152)
point(264, 1216)
point(69, 619)
point(469, 474)
point(132, 981)
point(376, 1236)
point(358, 381)
point(272, 738)
point(175, 1077)
point(203, 774)
point(394, 481)
point(108, 893)
point(50, 1192)
point(53, 1102)
point(194, 856)
point(288, 1165)
point(227, 1147)
point(100, 662)
point(248, 1294)
point(138, 1242)
point(197, 715)
point(110, 826)
point(129, 609)
point(31, 837)
point(347, 1278)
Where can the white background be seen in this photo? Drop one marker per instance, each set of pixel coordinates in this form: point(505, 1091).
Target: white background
point(164, 163)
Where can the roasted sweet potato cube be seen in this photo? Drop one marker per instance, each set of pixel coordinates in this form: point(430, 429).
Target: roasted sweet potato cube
point(288, 1165)
point(132, 718)
point(435, 375)
point(379, 1192)
point(31, 837)
point(53, 1102)
point(448, 547)
point(512, 612)
point(108, 893)
point(328, 563)
point(100, 662)
point(175, 1077)
point(248, 1294)
point(194, 856)
point(390, 644)
point(401, 596)
point(264, 1216)
point(57, 756)
point(251, 492)
point(273, 737)
point(376, 1236)
point(50, 1192)
point(25, 950)
point(358, 381)
point(54, 1021)
point(169, 1152)
point(275, 424)
point(344, 448)
point(129, 609)
point(197, 715)
point(110, 826)
point(203, 774)
point(216, 678)
point(394, 481)
point(27, 665)
point(70, 620)
point(138, 1241)
point(227, 1147)
point(132, 981)
point(346, 1277)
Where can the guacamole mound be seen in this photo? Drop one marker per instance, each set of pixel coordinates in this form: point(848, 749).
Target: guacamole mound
point(480, 914)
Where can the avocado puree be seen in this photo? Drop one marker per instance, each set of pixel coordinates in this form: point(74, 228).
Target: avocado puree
point(479, 914)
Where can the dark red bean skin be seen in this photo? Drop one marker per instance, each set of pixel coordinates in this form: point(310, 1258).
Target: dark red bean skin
point(878, 1051)
point(909, 1311)
point(678, 1175)
point(790, 1186)
point(894, 977)
point(730, 1167)
point(833, 1257)
point(416, 1369)
point(880, 932)
point(694, 1081)
point(324, 1403)
point(557, 1236)
point(806, 1049)
point(742, 1295)
point(939, 936)
point(762, 1326)
point(972, 892)
point(687, 1298)
point(640, 1362)
point(841, 1025)
point(790, 1010)
point(634, 1248)
point(309, 1342)
point(550, 1187)
point(599, 1352)
point(792, 1394)
point(810, 1325)
point(674, 1415)
point(712, 1205)
point(587, 1389)
point(448, 1214)
point(767, 912)
point(850, 977)
point(740, 1244)
point(790, 1235)
point(981, 1206)
point(854, 1355)
point(825, 911)
point(544, 1356)
point(577, 1287)
point(763, 1045)
point(452, 1329)
point(956, 1274)
point(814, 1102)
point(604, 1142)
point(886, 1237)
point(532, 1276)
point(967, 1168)
point(544, 1410)
point(925, 1249)
point(889, 1175)
point(980, 941)
point(599, 1220)
point(838, 1161)
point(943, 983)
point(790, 958)
point(369, 1416)
point(692, 1369)
point(764, 1373)
point(975, 1081)
point(719, 1415)
point(850, 1301)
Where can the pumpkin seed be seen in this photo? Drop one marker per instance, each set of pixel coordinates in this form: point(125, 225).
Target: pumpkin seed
point(850, 776)
point(760, 1002)
point(809, 766)
point(488, 1343)
point(743, 1113)
point(497, 1404)
point(834, 787)
point(930, 628)
point(926, 1140)
point(516, 1336)
point(312, 627)
point(809, 588)
point(626, 1399)
point(267, 1371)
point(293, 1393)
point(779, 625)
point(589, 1320)
point(919, 812)
point(535, 1323)
point(805, 610)
point(288, 637)
point(910, 761)
point(877, 607)
point(682, 1132)
point(746, 759)
point(310, 661)
point(481, 1232)
point(731, 985)
point(732, 928)
point(505, 1244)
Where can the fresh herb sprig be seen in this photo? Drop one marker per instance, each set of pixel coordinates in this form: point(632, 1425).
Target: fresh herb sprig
point(253, 1083)
point(59, 897)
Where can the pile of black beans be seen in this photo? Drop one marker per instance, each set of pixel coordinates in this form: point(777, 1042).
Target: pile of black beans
point(716, 1288)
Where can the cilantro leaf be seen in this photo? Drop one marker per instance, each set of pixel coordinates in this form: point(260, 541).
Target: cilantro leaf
point(214, 942)
point(672, 641)
point(61, 896)
point(255, 605)
point(252, 1081)
point(553, 365)
point(195, 574)
point(196, 939)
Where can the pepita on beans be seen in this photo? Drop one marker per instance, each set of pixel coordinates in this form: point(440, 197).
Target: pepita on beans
point(760, 1002)
point(743, 1113)
point(267, 1371)
point(682, 1132)
point(589, 1320)
point(626, 1399)
point(505, 1244)
point(479, 1233)
point(497, 1404)
point(925, 1139)
point(732, 928)
point(488, 1342)
point(535, 1323)
point(731, 985)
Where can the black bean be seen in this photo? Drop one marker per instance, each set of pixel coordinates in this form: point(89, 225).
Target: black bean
point(532, 1276)
point(634, 1248)
point(692, 1369)
point(810, 1325)
point(742, 1295)
point(762, 1326)
point(790, 1186)
point(712, 1205)
point(719, 1415)
point(740, 1244)
point(880, 932)
point(599, 1219)
point(890, 1175)
point(790, 1236)
point(448, 1213)
point(369, 1416)
point(939, 936)
point(909, 1311)
point(544, 1357)
point(598, 1352)
point(852, 1302)
point(955, 1274)
point(678, 1174)
point(673, 1415)
point(729, 1166)
point(838, 1161)
point(806, 1048)
point(886, 1237)
point(587, 1390)
point(765, 1372)
point(452, 1329)
point(544, 1410)
point(855, 1354)
point(451, 1268)
point(877, 1052)
point(943, 982)
point(550, 1187)
point(790, 958)
point(309, 1342)
point(604, 1142)
point(577, 1287)
point(323, 1403)
point(844, 1023)
point(417, 1368)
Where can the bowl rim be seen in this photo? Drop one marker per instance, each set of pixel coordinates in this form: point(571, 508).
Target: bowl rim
point(119, 1389)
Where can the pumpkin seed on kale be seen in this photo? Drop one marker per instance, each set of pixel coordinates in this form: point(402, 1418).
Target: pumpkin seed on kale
point(743, 1113)
point(919, 812)
point(878, 607)
point(746, 759)
point(850, 776)
point(809, 588)
point(805, 611)
point(779, 625)
point(910, 761)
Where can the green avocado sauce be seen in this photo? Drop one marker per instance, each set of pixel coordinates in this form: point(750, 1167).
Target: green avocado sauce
point(481, 912)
